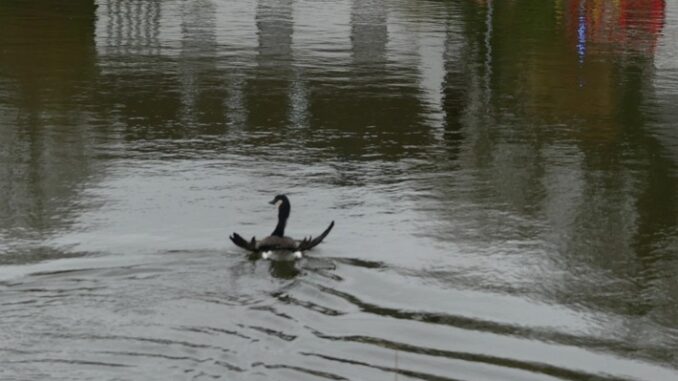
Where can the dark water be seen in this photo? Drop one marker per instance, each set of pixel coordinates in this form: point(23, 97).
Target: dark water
point(503, 176)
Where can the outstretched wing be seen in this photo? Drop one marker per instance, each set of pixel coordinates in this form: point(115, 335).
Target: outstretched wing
point(241, 242)
point(310, 242)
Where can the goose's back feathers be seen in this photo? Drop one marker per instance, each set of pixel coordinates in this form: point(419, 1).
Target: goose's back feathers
point(275, 243)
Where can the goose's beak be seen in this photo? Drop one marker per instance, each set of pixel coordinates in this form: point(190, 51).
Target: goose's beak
point(276, 203)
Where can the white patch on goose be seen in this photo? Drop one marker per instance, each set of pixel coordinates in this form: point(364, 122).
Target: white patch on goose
point(297, 254)
point(266, 254)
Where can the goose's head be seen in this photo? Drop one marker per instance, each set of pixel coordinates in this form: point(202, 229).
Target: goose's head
point(283, 204)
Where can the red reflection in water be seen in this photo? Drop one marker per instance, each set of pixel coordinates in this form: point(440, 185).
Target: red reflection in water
point(633, 25)
point(645, 15)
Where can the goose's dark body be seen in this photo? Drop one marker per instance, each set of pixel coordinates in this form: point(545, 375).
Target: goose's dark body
point(277, 241)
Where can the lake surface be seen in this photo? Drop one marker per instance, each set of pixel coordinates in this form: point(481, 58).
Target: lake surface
point(503, 176)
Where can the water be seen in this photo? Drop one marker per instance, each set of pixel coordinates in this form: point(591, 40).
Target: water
point(503, 176)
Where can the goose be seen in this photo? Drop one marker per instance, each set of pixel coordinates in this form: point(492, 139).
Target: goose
point(277, 246)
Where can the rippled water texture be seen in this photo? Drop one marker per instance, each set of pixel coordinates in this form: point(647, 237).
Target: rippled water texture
point(503, 176)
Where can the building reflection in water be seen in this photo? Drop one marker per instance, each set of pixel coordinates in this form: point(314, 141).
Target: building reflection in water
point(267, 90)
point(129, 27)
point(45, 150)
point(374, 83)
point(201, 90)
point(579, 152)
point(236, 34)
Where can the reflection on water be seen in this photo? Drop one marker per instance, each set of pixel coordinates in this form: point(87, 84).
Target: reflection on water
point(503, 176)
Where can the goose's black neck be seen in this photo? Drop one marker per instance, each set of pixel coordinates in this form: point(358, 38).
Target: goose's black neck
point(280, 228)
point(283, 215)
